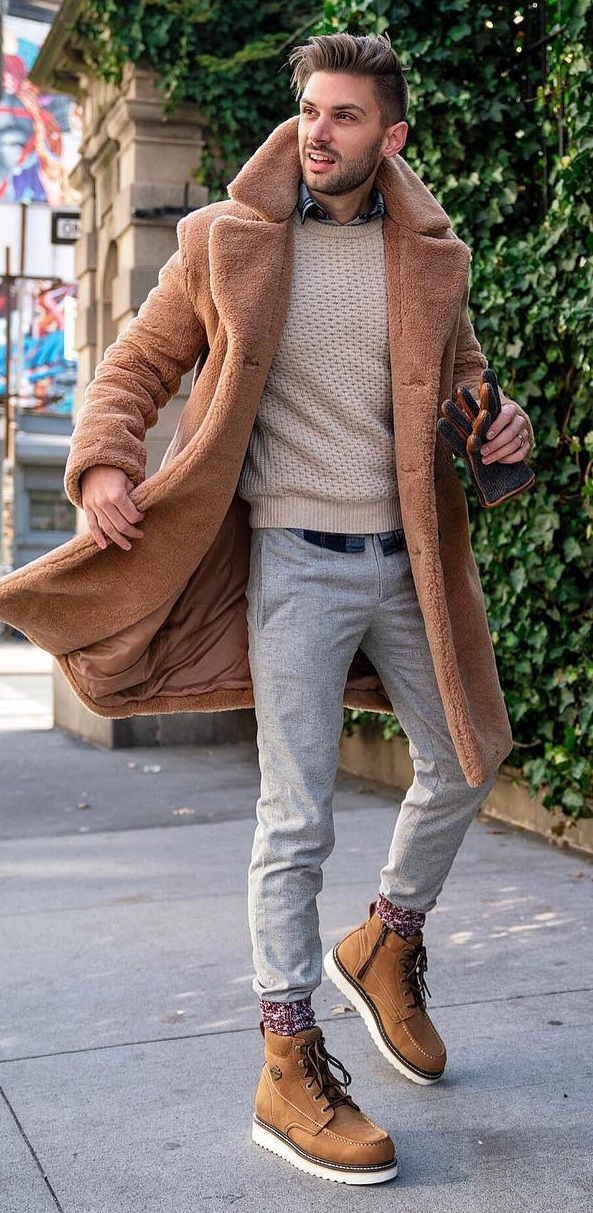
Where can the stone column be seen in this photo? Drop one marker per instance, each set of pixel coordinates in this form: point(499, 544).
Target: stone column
point(136, 177)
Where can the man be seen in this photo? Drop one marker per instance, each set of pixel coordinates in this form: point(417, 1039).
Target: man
point(327, 305)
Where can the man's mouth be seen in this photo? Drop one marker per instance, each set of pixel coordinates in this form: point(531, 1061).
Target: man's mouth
point(320, 157)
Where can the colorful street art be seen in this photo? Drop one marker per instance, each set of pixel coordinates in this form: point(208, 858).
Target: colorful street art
point(42, 373)
point(39, 139)
point(38, 134)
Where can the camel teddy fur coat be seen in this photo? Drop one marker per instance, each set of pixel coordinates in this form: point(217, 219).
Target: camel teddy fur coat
point(161, 628)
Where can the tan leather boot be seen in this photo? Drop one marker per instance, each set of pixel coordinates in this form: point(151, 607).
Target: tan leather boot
point(382, 975)
point(304, 1114)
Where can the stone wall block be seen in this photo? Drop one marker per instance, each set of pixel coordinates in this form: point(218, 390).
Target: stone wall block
point(182, 158)
point(106, 173)
point(85, 254)
point(179, 728)
point(129, 289)
point(86, 326)
point(86, 290)
point(149, 240)
point(155, 205)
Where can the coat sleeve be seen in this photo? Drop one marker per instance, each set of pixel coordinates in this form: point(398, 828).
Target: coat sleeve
point(140, 372)
point(469, 361)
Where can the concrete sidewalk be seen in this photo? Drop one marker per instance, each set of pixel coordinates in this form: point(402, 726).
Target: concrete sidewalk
point(25, 687)
point(129, 1040)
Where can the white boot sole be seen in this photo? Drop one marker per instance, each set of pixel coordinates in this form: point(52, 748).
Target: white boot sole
point(290, 1153)
point(370, 1023)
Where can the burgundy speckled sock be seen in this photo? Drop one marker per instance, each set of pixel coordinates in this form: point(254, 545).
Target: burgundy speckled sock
point(287, 1018)
point(403, 922)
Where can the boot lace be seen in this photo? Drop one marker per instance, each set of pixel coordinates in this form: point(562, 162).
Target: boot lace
point(332, 1088)
point(414, 964)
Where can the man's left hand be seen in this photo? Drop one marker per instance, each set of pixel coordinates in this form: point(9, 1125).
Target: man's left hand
point(490, 435)
point(508, 438)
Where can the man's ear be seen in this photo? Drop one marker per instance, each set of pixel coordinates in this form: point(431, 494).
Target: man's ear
point(394, 139)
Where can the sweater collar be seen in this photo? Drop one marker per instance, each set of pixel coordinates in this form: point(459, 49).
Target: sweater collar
point(269, 185)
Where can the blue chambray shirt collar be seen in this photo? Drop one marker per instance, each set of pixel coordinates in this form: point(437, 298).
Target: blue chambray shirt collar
point(308, 208)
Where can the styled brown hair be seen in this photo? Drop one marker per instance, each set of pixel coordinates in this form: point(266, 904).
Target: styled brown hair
point(355, 55)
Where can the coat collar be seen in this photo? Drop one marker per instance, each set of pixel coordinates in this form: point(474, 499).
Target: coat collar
point(268, 184)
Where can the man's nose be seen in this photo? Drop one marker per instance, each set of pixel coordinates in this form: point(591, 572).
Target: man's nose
point(319, 132)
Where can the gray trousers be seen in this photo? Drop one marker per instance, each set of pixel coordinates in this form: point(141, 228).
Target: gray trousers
point(309, 610)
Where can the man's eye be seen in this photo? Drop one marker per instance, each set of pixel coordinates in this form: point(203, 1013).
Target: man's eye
point(350, 117)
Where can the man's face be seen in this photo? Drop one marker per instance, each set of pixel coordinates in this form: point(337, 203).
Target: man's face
point(342, 135)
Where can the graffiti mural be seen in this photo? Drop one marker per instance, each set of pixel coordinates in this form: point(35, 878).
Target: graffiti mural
point(38, 134)
point(42, 372)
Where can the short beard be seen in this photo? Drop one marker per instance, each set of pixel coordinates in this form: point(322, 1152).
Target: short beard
point(354, 174)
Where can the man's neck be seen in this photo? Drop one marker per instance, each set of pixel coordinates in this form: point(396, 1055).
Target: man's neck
point(343, 208)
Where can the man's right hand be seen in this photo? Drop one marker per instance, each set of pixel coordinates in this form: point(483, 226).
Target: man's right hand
point(110, 511)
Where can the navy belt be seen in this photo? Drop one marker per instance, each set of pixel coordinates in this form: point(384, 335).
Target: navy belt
point(391, 541)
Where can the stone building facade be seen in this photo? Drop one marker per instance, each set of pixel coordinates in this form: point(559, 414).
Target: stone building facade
point(136, 179)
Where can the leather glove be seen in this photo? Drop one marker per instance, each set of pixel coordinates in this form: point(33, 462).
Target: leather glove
point(464, 425)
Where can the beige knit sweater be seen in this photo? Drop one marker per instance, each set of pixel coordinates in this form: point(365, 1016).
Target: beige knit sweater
point(321, 455)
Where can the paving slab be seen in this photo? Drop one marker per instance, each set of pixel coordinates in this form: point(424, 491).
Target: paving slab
point(167, 1125)
point(133, 936)
point(19, 658)
point(129, 1044)
point(22, 1183)
point(86, 789)
point(26, 700)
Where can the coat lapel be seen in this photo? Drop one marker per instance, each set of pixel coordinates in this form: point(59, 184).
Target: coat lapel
point(251, 304)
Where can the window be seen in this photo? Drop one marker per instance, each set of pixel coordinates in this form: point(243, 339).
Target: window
point(50, 510)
